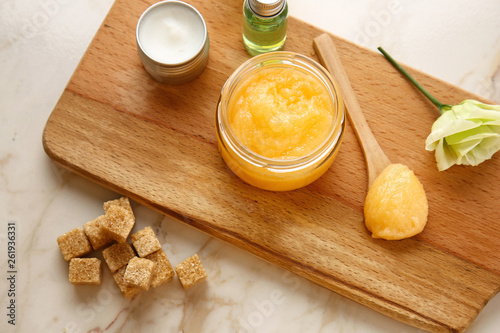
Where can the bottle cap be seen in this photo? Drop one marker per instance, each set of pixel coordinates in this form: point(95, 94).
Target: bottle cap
point(266, 7)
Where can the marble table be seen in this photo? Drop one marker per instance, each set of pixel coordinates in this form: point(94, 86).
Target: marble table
point(41, 43)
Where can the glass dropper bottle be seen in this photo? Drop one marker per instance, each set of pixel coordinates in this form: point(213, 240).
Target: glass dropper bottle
point(264, 25)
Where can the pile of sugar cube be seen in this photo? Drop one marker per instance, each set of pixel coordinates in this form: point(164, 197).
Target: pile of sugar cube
point(134, 268)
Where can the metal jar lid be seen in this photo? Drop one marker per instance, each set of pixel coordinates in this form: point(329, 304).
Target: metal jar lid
point(266, 7)
point(174, 72)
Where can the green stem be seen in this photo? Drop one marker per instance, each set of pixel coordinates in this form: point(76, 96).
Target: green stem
point(409, 77)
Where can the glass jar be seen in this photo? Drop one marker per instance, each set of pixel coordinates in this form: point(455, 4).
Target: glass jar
point(270, 173)
point(264, 25)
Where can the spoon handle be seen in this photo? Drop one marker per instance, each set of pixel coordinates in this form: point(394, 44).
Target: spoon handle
point(376, 160)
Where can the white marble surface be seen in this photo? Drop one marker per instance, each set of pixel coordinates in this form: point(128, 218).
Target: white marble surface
point(41, 43)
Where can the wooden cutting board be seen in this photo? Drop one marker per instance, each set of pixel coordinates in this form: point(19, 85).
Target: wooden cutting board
point(156, 144)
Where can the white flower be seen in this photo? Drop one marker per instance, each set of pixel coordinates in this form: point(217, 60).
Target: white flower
point(465, 134)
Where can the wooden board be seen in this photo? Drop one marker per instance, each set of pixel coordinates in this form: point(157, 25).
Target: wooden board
point(156, 144)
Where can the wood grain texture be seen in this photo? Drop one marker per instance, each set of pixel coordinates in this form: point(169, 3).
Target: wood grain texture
point(156, 144)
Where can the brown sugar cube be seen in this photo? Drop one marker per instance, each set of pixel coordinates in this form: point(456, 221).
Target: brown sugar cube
point(96, 234)
point(190, 272)
point(85, 271)
point(163, 271)
point(118, 255)
point(127, 291)
point(118, 223)
point(145, 242)
point(74, 244)
point(139, 273)
point(123, 202)
point(126, 217)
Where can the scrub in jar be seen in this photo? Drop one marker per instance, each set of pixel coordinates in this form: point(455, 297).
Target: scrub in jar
point(279, 121)
point(281, 113)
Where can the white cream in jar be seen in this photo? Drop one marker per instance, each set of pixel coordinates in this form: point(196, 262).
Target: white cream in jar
point(172, 41)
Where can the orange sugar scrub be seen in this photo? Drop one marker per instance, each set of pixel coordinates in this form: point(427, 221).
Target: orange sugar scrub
point(279, 121)
point(396, 206)
point(281, 113)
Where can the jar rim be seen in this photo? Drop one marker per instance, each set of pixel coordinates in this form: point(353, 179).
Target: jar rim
point(281, 59)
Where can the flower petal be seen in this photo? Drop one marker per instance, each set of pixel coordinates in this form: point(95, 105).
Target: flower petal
point(480, 105)
point(484, 150)
point(471, 109)
point(464, 148)
point(474, 134)
point(446, 127)
point(445, 157)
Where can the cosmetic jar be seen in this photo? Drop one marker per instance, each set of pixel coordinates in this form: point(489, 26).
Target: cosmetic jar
point(172, 42)
point(269, 104)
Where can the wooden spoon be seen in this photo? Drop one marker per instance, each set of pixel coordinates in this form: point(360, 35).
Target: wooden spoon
point(382, 209)
point(376, 160)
